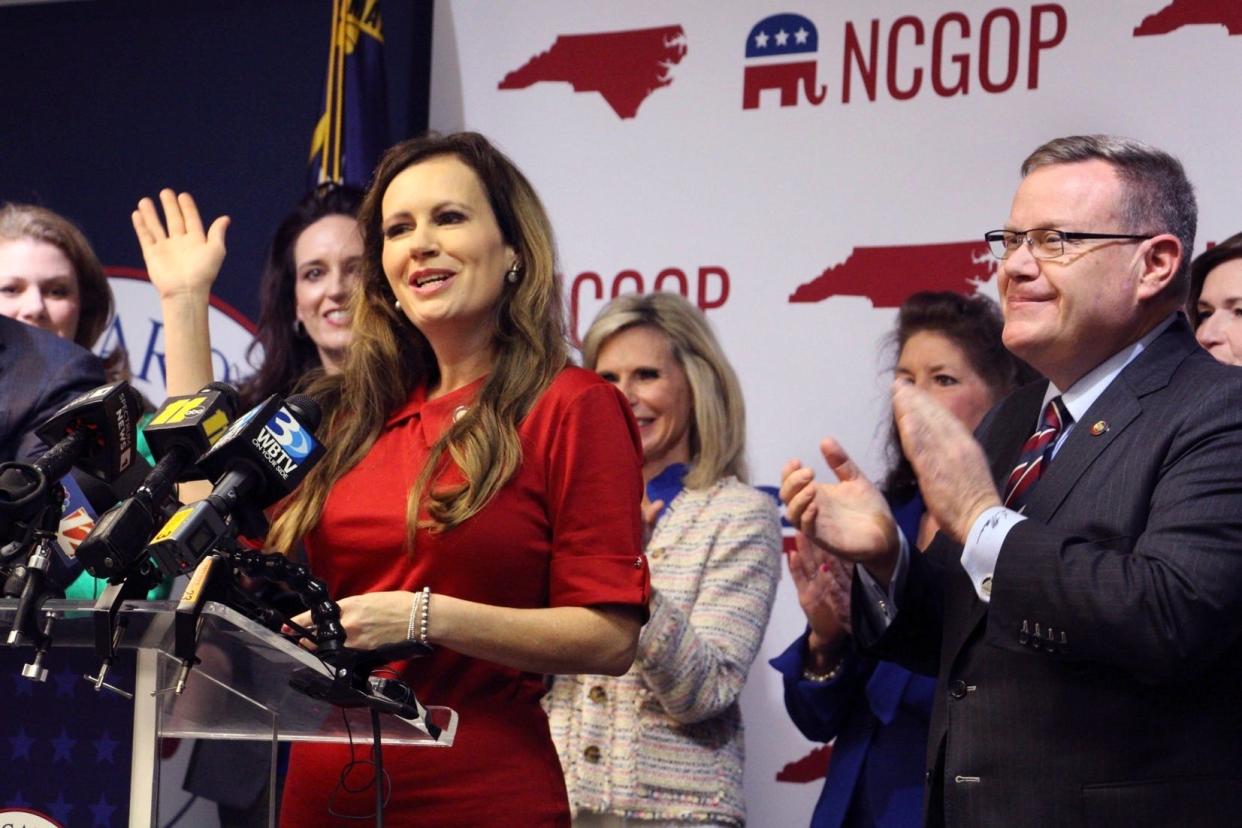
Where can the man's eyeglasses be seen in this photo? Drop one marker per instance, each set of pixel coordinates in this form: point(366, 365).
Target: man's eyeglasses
point(1043, 243)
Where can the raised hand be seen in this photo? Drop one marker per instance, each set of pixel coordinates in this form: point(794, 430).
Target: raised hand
point(953, 472)
point(181, 258)
point(850, 518)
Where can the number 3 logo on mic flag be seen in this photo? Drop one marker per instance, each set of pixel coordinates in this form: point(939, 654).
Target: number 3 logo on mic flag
point(290, 435)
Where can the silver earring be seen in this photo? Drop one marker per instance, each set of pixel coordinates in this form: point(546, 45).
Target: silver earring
point(397, 305)
point(298, 328)
point(511, 276)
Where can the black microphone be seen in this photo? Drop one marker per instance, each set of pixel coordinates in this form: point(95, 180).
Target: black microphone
point(95, 432)
point(259, 460)
point(182, 430)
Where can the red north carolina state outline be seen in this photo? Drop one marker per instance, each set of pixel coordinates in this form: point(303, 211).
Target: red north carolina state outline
point(1227, 13)
point(624, 67)
point(888, 275)
point(807, 769)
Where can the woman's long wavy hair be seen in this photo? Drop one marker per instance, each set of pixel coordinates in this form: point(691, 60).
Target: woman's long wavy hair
point(388, 357)
point(287, 356)
point(96, 306)
point(718, 412)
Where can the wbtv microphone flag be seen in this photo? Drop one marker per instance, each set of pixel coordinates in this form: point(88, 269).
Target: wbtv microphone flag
point(353, 128)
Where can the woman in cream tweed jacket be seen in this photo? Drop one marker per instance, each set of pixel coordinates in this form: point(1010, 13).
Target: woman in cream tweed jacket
point(662, 745)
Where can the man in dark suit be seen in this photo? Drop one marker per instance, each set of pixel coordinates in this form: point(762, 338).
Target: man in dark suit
point(1082, 603)
point(39, 373)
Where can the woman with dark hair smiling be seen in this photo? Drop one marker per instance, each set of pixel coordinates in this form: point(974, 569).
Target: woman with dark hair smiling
point(950, 346)
point(308, 277)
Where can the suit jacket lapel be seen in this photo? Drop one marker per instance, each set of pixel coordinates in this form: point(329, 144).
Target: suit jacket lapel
point(1116, 408)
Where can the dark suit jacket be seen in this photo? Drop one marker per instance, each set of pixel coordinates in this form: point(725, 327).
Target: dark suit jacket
point(1102, 684)
point(39, 373)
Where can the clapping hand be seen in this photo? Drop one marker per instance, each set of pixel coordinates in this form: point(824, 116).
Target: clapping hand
point(850, 519)
point(823, 585)
point(953, 472)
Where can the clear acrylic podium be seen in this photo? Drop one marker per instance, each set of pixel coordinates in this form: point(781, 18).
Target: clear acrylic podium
point(239, 690)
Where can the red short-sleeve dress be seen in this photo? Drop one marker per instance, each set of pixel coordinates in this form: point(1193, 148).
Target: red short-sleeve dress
point(564, 531)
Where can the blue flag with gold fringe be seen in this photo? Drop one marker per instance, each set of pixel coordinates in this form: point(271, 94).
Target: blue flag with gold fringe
point(352, 130)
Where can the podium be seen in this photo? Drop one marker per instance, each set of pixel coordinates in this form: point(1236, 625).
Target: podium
point(239, 690)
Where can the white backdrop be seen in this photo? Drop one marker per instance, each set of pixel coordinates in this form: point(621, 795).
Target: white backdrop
point(633, 128)
point(139, 328)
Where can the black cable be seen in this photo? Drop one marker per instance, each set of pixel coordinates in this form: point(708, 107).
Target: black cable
point(383, 792)
point(184, 809)
point(377, 756)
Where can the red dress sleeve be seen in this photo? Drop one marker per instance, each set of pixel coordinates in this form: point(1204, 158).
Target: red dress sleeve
point(594, 474)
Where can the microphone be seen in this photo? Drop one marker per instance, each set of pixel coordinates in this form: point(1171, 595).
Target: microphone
point(259, 460)
point(95, 432)
point(77, 519)
point(182, 429)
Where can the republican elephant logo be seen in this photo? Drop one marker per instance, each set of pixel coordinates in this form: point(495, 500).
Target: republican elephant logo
point(771, 42)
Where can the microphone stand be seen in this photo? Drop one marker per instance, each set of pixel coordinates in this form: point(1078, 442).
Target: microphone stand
point(32, 508)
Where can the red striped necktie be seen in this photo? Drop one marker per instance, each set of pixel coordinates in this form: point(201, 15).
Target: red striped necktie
point(1036, 454)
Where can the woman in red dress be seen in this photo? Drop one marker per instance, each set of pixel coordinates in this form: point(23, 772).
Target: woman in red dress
point(465, 455)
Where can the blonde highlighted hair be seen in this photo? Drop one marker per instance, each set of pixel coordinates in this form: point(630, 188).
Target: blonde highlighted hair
point(388, 357)
point(718, 421)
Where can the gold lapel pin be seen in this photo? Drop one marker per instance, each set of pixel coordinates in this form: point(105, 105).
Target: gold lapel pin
point(1099, 427)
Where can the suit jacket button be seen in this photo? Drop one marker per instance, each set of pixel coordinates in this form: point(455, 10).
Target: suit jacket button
point(957, 689)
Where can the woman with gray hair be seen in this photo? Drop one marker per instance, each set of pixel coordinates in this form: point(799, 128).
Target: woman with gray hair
point(662, 744)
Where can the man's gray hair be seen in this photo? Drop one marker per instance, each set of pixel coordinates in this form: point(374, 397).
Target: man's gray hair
point(1158, 196)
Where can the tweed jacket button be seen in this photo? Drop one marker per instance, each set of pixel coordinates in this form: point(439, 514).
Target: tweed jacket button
point(598, 694)
point(592, 754)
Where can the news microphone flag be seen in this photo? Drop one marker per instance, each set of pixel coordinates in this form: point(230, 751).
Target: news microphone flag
point(76, 522)
point(352, 129)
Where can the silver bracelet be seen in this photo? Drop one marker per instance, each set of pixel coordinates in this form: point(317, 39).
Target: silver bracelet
point(424, 615)
point(412, 627)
